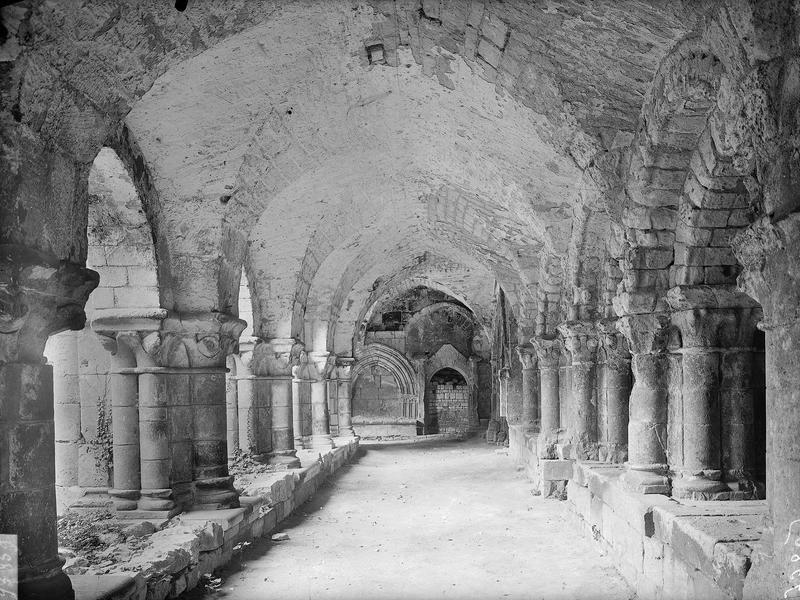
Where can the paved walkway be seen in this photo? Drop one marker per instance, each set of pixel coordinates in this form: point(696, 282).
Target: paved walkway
point(452, 520)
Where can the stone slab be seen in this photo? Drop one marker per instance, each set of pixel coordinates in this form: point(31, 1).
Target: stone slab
point(104, 587)
point(556, 470)
point(227, 518)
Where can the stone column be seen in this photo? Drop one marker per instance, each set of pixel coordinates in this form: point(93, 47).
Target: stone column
point(548, 353)
point(474, 421)
point(156, 494)
point(254, 414)
point(711, 326)
point(303, 375)
point(189, 383)
point(320, 421)
point(530, 389)
point(232, 406)
point(136, 416)
point(272, 378)
point(738, 380)
point(696, 452)
point(615, 389)
point(580, 338)
point(647, 336)
point(62, 353)
point(770, 254)
point(344, 368)
point(124, 423)
point(39, 295)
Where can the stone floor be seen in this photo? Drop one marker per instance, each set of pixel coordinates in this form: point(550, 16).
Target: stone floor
point(447, 520)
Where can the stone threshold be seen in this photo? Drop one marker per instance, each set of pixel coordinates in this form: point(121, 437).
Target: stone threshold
point(201, 541)
point(667, 548)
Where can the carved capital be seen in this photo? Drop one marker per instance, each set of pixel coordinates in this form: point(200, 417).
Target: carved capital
point(276, 357)
point(344, 367)
point(614, 344)
point(770, 256)
point(194, 340)
point(580, 338)
point(527, 356)
point(39, 295)
point(547, 351)
point(305, 369)
point(646, 334)
point(325, 364)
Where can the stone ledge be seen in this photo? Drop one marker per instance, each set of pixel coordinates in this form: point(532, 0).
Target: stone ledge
point(201, 541)
point(694, 549)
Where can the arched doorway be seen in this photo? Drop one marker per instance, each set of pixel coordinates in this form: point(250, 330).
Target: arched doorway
point(446, 402)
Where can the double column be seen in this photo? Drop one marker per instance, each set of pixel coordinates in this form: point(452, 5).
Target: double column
point(548, 353)
point(344, 369)
point(580, 338)
point(180, 378)
point(271, 368)
point(41, 295)
point(647, 336)
point(325, 366)
point(614, 391)
point(712, 413)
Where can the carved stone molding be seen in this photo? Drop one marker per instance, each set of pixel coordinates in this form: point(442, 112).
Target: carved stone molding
point(614, 345)
point(276, 357)
point(548, 352)
point(646, 334)
point(39, 296)
point(580, 338)
point(527, 356)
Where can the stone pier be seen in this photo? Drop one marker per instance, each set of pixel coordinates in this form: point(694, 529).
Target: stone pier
point(45, 296)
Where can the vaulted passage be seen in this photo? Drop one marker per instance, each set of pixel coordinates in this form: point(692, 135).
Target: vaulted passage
point(238, 239)
point(448, 520)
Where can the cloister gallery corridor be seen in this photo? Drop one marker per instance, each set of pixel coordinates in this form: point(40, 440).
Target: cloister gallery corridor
point(448, 520)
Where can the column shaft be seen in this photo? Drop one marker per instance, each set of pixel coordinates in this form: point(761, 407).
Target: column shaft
point(232, 411)
point(647, 426)
point(548, 353)
point(738, 415)
point(580, 338)
point(125, 427)
point(156, 493)
point(27, 493)
point(344, 367)
point(320, 427)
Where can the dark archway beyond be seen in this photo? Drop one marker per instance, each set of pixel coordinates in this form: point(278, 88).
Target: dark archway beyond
point(447, 402)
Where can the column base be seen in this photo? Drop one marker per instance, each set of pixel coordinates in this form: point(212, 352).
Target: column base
point(93, 500)
point(54, 586)
point(215, 493)
point(156, 500)
point(612, 453)
point(346, 432)
point(649, 480)
point(320, 442)
point(287, 460)
point(124, 499)
point(699, 485)
point(302, 443)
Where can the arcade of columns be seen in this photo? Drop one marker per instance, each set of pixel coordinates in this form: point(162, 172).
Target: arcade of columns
point(677, 150)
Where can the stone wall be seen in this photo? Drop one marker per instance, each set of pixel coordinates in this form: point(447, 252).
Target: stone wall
point(448, 406)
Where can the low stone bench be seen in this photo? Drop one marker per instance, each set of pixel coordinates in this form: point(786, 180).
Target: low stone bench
point(197, 542)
